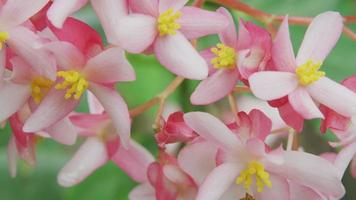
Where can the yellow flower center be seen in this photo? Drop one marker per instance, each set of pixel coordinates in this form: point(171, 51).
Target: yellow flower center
point(309, 72)
point(74, 82)
point(225, 56)
point(261, 176)
point(40, 86)
point(167, 22)
point(3, 37)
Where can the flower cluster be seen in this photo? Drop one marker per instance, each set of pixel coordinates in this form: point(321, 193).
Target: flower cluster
point(49, 62)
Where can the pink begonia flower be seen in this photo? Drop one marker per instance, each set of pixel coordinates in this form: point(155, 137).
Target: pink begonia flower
point(174, 130)
point(233, 59)
point(165, 28)
point(299, 78)
point(242, 162)
point(102, 144)
point(167, 181)
point(31, 88)
point(20, 39)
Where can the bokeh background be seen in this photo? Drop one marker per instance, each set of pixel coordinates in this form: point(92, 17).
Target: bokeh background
point(109, 182)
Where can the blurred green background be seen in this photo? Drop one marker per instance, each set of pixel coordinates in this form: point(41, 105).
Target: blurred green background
point(109, 182)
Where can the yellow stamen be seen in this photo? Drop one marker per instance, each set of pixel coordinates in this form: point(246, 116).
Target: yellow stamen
point(167, 22)
point(40, 86)
point(225, 56)
point(74, 82)
point(261, 176)
point(308, 72)
point(3, 37)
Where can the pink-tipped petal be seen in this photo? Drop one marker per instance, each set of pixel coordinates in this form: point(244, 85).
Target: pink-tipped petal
point(52, 109)
point(178, 55)
point(334, 96)
point(291, 117)
point(174, 4)
point(196, 22)
point(12, 157)
point(66, 54)
point(215, 87)
point(244, 37)
point(61, 9)
point(109, 13)
point(16, 12)
point(90, 156)
point(12, 98)
point(212, 129)
point(218, 181)
point(298, 192)
point(344, 158)
point(316, 44)
point(304, 104)
point(282, 50)
point(63, 132)
point(117, 109)
point(147, 7)
point(143, 191)
point(312, 171)
point(229, 35)
point(279, 190)
point(134, 161)
point(94, 104)
point(198, 160)
point(272, 85)
point(136, 32)
point(109, 66)
point(22, 41)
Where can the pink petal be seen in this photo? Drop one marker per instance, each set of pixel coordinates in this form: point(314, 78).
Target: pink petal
point(304, 104)
point(228, 36)
point(110, 66)
point(174, 4)
point(143, 191)
point(279, 190)
point(16, 12)
point(344, 158)
point(256, 147)
point(353, 167)
point(291, 117)
point(298, 192)
point(12, 157)
point(52, 109)
point(147, 7)
point(272, 85)
point(22, 42)
point(350, 83)
point(198, 160)
point(316, 44)
point(117, 109)
point(66, 54)
point(334, 96)
point(234, 192)
point(63, 132)
point(61, 9)
point(261, 124)
point(109, 13)
point(134, 161)
point(245, 39)
point(178, 55)
point(282, 50)
point(196, 22)
point(90, 156)
point(212, 129)
point(22, 73)
point(218, 181)
point(312, 171)
point(215, 87)
point(136, 32)
point(94, 104)
point(2, 64)
point(13, 97)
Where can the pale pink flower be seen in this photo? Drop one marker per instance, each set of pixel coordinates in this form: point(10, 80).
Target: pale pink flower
point(242, 162)
point(165, 27)
point(299, 78)
point(235, 58)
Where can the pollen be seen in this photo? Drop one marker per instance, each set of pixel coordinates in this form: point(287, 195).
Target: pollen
point(74, 83)
point(309, 72)
point(167, 24)
point(225, 56)
point(254, 169)
point(39, 87)
point(3, 37)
